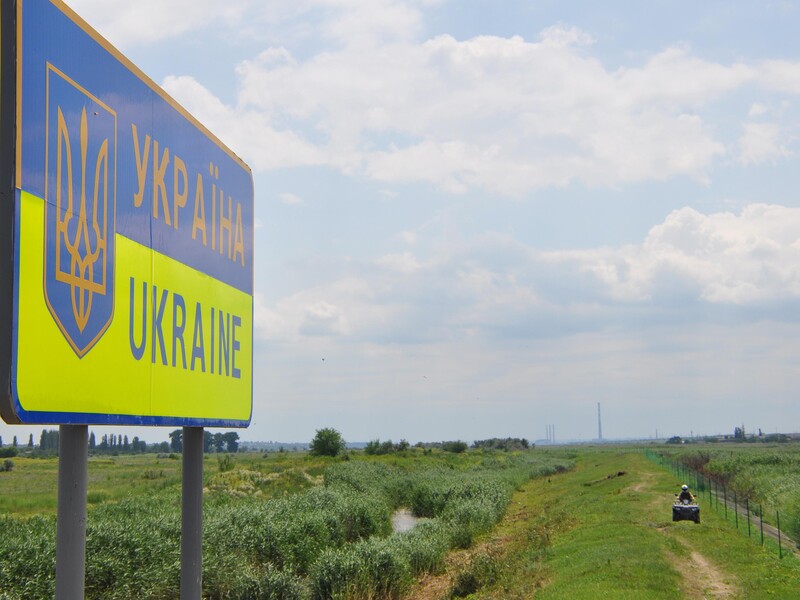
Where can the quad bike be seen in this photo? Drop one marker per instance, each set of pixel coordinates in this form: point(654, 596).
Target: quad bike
point(685, 510)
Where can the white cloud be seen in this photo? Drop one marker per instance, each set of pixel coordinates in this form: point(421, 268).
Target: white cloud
point(146, 21)
point(498, 286)
point(781, 75)
point(762, 142)
point(402, 263)
point(289, 198)
point(249, 133)
point(500, 114)
point(504, 115)
point(408, 237)
point(742, 259)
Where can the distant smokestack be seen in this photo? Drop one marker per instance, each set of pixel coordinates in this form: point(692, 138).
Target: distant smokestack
point(599, 424)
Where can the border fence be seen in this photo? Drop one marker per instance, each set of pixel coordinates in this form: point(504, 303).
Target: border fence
point(736, 509)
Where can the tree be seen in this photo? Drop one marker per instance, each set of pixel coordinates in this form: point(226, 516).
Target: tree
point(1, 441)
point(327, 442)
point(372, 447)
point(92, 441)
point(219, 443)
point(208, 441)
point(176, 440)
point(48, 442)
point(30, 441)
point(231, 441)
point(14, 443)
point(138, 446)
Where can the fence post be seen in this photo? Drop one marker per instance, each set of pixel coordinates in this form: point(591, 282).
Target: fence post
point(736, 509)
point(725, 500)
point(778, 519)
point(716, 495)
point(761, 520)
point(747, 504)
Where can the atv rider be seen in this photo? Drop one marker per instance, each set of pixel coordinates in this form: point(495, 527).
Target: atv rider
point(685, 494)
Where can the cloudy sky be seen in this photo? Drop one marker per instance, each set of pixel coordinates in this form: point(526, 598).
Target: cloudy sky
point(478, 219)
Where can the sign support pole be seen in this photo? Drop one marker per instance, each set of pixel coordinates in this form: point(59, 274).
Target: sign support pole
point(192, 515)
point(73, 456)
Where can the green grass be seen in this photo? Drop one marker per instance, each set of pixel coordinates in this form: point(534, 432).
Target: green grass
point(606, 546)
point(275, 529)
point(595, 533)
point(32, 487)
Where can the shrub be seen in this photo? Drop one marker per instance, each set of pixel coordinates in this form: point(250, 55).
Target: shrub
point(482, 572)
point(327, 442)
point(426, 546)
point(457, 447)
point(225, 463)
point(374, 568)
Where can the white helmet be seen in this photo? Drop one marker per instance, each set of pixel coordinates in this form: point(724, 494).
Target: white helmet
point(684, 487)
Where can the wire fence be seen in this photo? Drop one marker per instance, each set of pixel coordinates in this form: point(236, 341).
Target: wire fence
point(737, 510)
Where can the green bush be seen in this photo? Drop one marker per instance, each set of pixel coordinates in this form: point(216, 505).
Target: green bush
point(456, 447)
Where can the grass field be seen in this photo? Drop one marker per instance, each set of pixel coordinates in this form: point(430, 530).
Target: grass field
point(604, 530)
point(573, 523)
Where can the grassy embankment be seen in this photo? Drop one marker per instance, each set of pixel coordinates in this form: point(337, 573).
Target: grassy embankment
point(604, 530)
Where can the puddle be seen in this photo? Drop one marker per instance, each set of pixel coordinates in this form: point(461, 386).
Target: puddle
point(403, 520)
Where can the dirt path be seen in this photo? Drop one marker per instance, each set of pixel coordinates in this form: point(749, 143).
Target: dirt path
point(701, 579)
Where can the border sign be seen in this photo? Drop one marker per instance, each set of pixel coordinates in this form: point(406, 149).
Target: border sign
point(126, 237)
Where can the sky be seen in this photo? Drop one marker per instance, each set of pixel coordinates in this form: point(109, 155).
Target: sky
point(479, 219)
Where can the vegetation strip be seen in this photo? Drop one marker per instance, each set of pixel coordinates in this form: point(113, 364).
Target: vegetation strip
point(332, 540)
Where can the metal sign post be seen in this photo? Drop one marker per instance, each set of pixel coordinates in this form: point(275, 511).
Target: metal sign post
point(192, 515)
point(71, 527)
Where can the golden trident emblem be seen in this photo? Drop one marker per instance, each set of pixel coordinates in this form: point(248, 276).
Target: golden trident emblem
point(84, 241)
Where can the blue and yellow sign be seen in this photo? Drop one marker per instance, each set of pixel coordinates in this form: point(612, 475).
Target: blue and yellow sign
point(132, 241)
